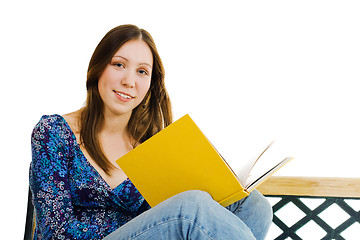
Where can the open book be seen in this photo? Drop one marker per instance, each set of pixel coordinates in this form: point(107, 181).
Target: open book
point(181, 158)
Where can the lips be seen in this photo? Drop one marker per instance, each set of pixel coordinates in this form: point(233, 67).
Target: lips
point(125, 97)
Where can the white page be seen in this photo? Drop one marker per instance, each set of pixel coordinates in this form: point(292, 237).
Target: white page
point(244, 160)
point(270, 158)
point(254, 182)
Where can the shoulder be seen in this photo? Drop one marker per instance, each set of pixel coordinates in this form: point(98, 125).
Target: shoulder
point(47, 120)
point(52, 142)
point(51, 130)
point(73, 120)
point(48, 124)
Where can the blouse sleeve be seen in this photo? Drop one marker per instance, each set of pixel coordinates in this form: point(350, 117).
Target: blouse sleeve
point(50, 186)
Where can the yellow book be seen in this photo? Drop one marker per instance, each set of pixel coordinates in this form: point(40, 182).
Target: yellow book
point(180, 158)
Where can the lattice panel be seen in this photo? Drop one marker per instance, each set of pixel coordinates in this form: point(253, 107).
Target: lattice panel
point(344, 223)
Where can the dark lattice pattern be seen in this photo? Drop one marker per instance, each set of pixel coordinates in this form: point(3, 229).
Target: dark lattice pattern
point(314, 215)
point(287, 231)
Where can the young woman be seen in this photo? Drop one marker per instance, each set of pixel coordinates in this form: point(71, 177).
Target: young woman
point(78, 190)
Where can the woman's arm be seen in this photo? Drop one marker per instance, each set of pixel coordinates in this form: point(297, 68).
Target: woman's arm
point(50, 186)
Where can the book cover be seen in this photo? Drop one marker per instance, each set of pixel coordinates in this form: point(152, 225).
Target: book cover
point(177, 159)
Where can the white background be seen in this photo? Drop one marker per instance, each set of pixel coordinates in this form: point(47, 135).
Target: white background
point(246, 71)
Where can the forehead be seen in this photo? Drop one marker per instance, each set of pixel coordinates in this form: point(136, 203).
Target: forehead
point(136, 51)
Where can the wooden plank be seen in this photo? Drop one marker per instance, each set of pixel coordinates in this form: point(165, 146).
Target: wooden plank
point(311, 186)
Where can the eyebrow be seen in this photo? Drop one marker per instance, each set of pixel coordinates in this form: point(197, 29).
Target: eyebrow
point(118, 56)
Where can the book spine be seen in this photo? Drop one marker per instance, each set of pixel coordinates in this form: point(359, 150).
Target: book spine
point(233, 198)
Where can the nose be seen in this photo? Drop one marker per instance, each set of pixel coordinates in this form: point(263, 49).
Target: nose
point(128, 80)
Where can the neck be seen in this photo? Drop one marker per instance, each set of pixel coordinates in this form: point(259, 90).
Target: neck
point(115, 124)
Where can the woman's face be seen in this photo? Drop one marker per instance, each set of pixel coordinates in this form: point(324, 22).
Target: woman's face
point(126, 80)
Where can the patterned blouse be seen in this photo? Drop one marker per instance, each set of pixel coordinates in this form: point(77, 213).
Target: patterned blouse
point(71, 199)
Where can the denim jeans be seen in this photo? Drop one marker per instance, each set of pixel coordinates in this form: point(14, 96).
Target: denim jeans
point(195, 215)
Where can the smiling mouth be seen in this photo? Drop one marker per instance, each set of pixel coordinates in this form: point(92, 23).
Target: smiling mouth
point(123, 95)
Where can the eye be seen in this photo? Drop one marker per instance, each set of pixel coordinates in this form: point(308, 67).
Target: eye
point(117, 64)
point(143, 72)
point(120, 65)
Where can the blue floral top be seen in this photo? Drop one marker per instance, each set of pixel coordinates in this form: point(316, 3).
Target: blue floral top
point(71, 199)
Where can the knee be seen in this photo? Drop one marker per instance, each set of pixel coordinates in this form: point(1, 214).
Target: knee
point(193, 195)
point(190, 203)
point(191, 198)
point(261, 206)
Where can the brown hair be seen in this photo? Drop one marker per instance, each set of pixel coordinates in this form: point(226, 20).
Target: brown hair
point(148, 118)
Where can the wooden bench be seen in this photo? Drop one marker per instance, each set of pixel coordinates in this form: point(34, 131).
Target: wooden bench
point(335, 192)
point(293, 190)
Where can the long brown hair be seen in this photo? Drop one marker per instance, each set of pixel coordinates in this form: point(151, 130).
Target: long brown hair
point(149, 117)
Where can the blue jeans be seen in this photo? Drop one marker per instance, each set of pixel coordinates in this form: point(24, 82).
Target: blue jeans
point(195, 215)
